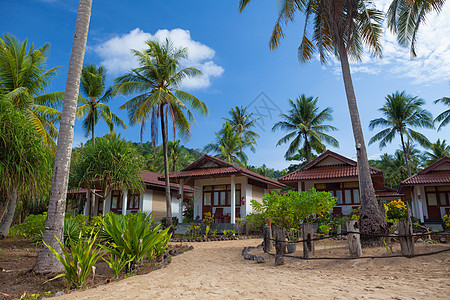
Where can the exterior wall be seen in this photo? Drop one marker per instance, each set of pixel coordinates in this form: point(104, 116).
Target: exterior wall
point(159, 205)
point(257, 193)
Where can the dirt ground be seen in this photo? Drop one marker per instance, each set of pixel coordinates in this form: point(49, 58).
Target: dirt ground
point(218, 270)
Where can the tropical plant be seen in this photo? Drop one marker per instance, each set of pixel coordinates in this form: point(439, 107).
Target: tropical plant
point(228, 146)
point(395, 210)
point(46, 262)
point(188, 212)
point(79, 262)
point(402, 112)
point(157, 80)
point(111, 163)
point(25, 164)
point(243, 123)
point(93, 105)
point(444, 117)
point(436, 151)
point(305, 123)
point(207, 221)
point(340, 28)
point(23, 79)
point(117, 263)
point(405, 16)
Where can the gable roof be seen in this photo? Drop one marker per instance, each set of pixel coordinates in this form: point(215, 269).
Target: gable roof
point(430, 175)
point(210, 166)
point(152, 179)
point(338, 166)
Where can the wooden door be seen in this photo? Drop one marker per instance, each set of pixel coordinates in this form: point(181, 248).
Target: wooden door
point(434, 212)
point(207, 205)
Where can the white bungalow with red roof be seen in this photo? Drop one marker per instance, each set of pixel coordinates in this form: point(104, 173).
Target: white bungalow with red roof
point(338, 175)
point(216, 183)
point(152, 199)
point(429, 191)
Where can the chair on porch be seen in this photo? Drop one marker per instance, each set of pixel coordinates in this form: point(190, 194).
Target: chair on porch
point(218, 215)
point(238, 212)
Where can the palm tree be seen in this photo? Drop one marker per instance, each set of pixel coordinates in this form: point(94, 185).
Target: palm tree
point(25, 163)
point(444, 117)
point(243, 123)
point(228, 146)
point(341, 28)
point(305, 123)
point(401, 113)
point(405, 16)
point(54, 225)
point(436, 151)
point(157, 82)
point(23, 79)
point(94, 107)
point(174, 154)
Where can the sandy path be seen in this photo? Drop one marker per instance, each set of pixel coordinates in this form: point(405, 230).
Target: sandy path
point(217, 270)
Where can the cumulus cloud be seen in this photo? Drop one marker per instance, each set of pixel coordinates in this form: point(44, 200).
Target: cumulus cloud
point(432, 64)
point(117, 57)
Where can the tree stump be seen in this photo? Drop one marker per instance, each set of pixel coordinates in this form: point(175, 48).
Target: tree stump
point(406, 243)
point(354, 240)
point(280, 240)
point(308, 245)
point(267, 238)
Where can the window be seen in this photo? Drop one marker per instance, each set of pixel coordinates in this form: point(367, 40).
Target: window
point(133, 200)
point(356, 196)
point(348, 196)
point(116, 201)
point(439, 195)
point(347, 193)
point(207, 198)
point(220, 195)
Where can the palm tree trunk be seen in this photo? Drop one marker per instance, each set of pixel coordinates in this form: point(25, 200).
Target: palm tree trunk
point(166, 169)
point(405, 156)
point(307, 148)
point(93, 132)
point(9, 217)
point(54, 225)
point(372, 220)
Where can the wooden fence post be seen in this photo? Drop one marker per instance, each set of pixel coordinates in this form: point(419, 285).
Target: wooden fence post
point(406, 243)
point(280, 240)
point(308, 245)
point(354, 239)
point(267, 231)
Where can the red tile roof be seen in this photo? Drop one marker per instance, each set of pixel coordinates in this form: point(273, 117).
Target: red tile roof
point(430, 175)
point(223, 169)
point(388, 192)
point(77, 191)
point(152, 178)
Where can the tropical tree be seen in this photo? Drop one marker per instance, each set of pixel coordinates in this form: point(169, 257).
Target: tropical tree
point(109, 163)
point(402, 112)
point(228, 146)
point(157, 81)
point(341, 28)
point(436, 151)
point(300, 157)
point(23, 80)
point(243, 123)
point(405, 16)
point(444, 117)
point(25, 163)
point(94, 106)
point(54, 225)
point(305, 123)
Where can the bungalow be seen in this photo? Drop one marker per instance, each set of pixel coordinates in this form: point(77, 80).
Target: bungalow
point(152, 199)
point(217, 182)
point(338, 175)
point(429, 191)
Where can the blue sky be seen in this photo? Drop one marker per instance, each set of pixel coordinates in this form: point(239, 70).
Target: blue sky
point(239, 69)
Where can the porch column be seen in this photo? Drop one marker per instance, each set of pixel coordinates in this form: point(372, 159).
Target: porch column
point(180, 210)
point(125, 202)
point(91, 213)
point(419, 202)
point(86, 205)
point(233, 200)
point(299, 187)
point(104, 207)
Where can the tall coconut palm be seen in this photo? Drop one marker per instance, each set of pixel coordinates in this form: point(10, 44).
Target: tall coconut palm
point(436, 151)
point(25, 163)
point(157, 81)
point(94, 106)
point(444, 117)
point(243, 123)
point(305, 124)
point(54, 225)
point(228, 146)
point(405, 16)
point(341, 28)
point(402, 112)
point(23, 80)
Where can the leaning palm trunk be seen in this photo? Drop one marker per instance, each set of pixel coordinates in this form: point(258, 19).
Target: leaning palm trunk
point(166, 169)
point(372, 220)
point(9, 217)
point(405, 155)
point(46, 261)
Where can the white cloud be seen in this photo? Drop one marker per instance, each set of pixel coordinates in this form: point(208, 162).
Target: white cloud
point(432, 64)
point(117, 57)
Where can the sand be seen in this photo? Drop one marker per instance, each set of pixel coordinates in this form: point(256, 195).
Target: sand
point(218, 270)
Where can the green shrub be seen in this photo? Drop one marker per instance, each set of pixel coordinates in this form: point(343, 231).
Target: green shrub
point(228, 233)
point(255, 222)
point(32, 228)
point(79, 262)
point(117, 263)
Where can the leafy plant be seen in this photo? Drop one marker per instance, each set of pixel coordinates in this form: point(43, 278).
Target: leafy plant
point(79, 262)
point(255, 222)
point(324, 229)
point(188, 212)
point(207, 221)
point(395, 210)
point(388, 247)
point(447, 221)
point(117, 263)
point(193, 230)
point(228, 233)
